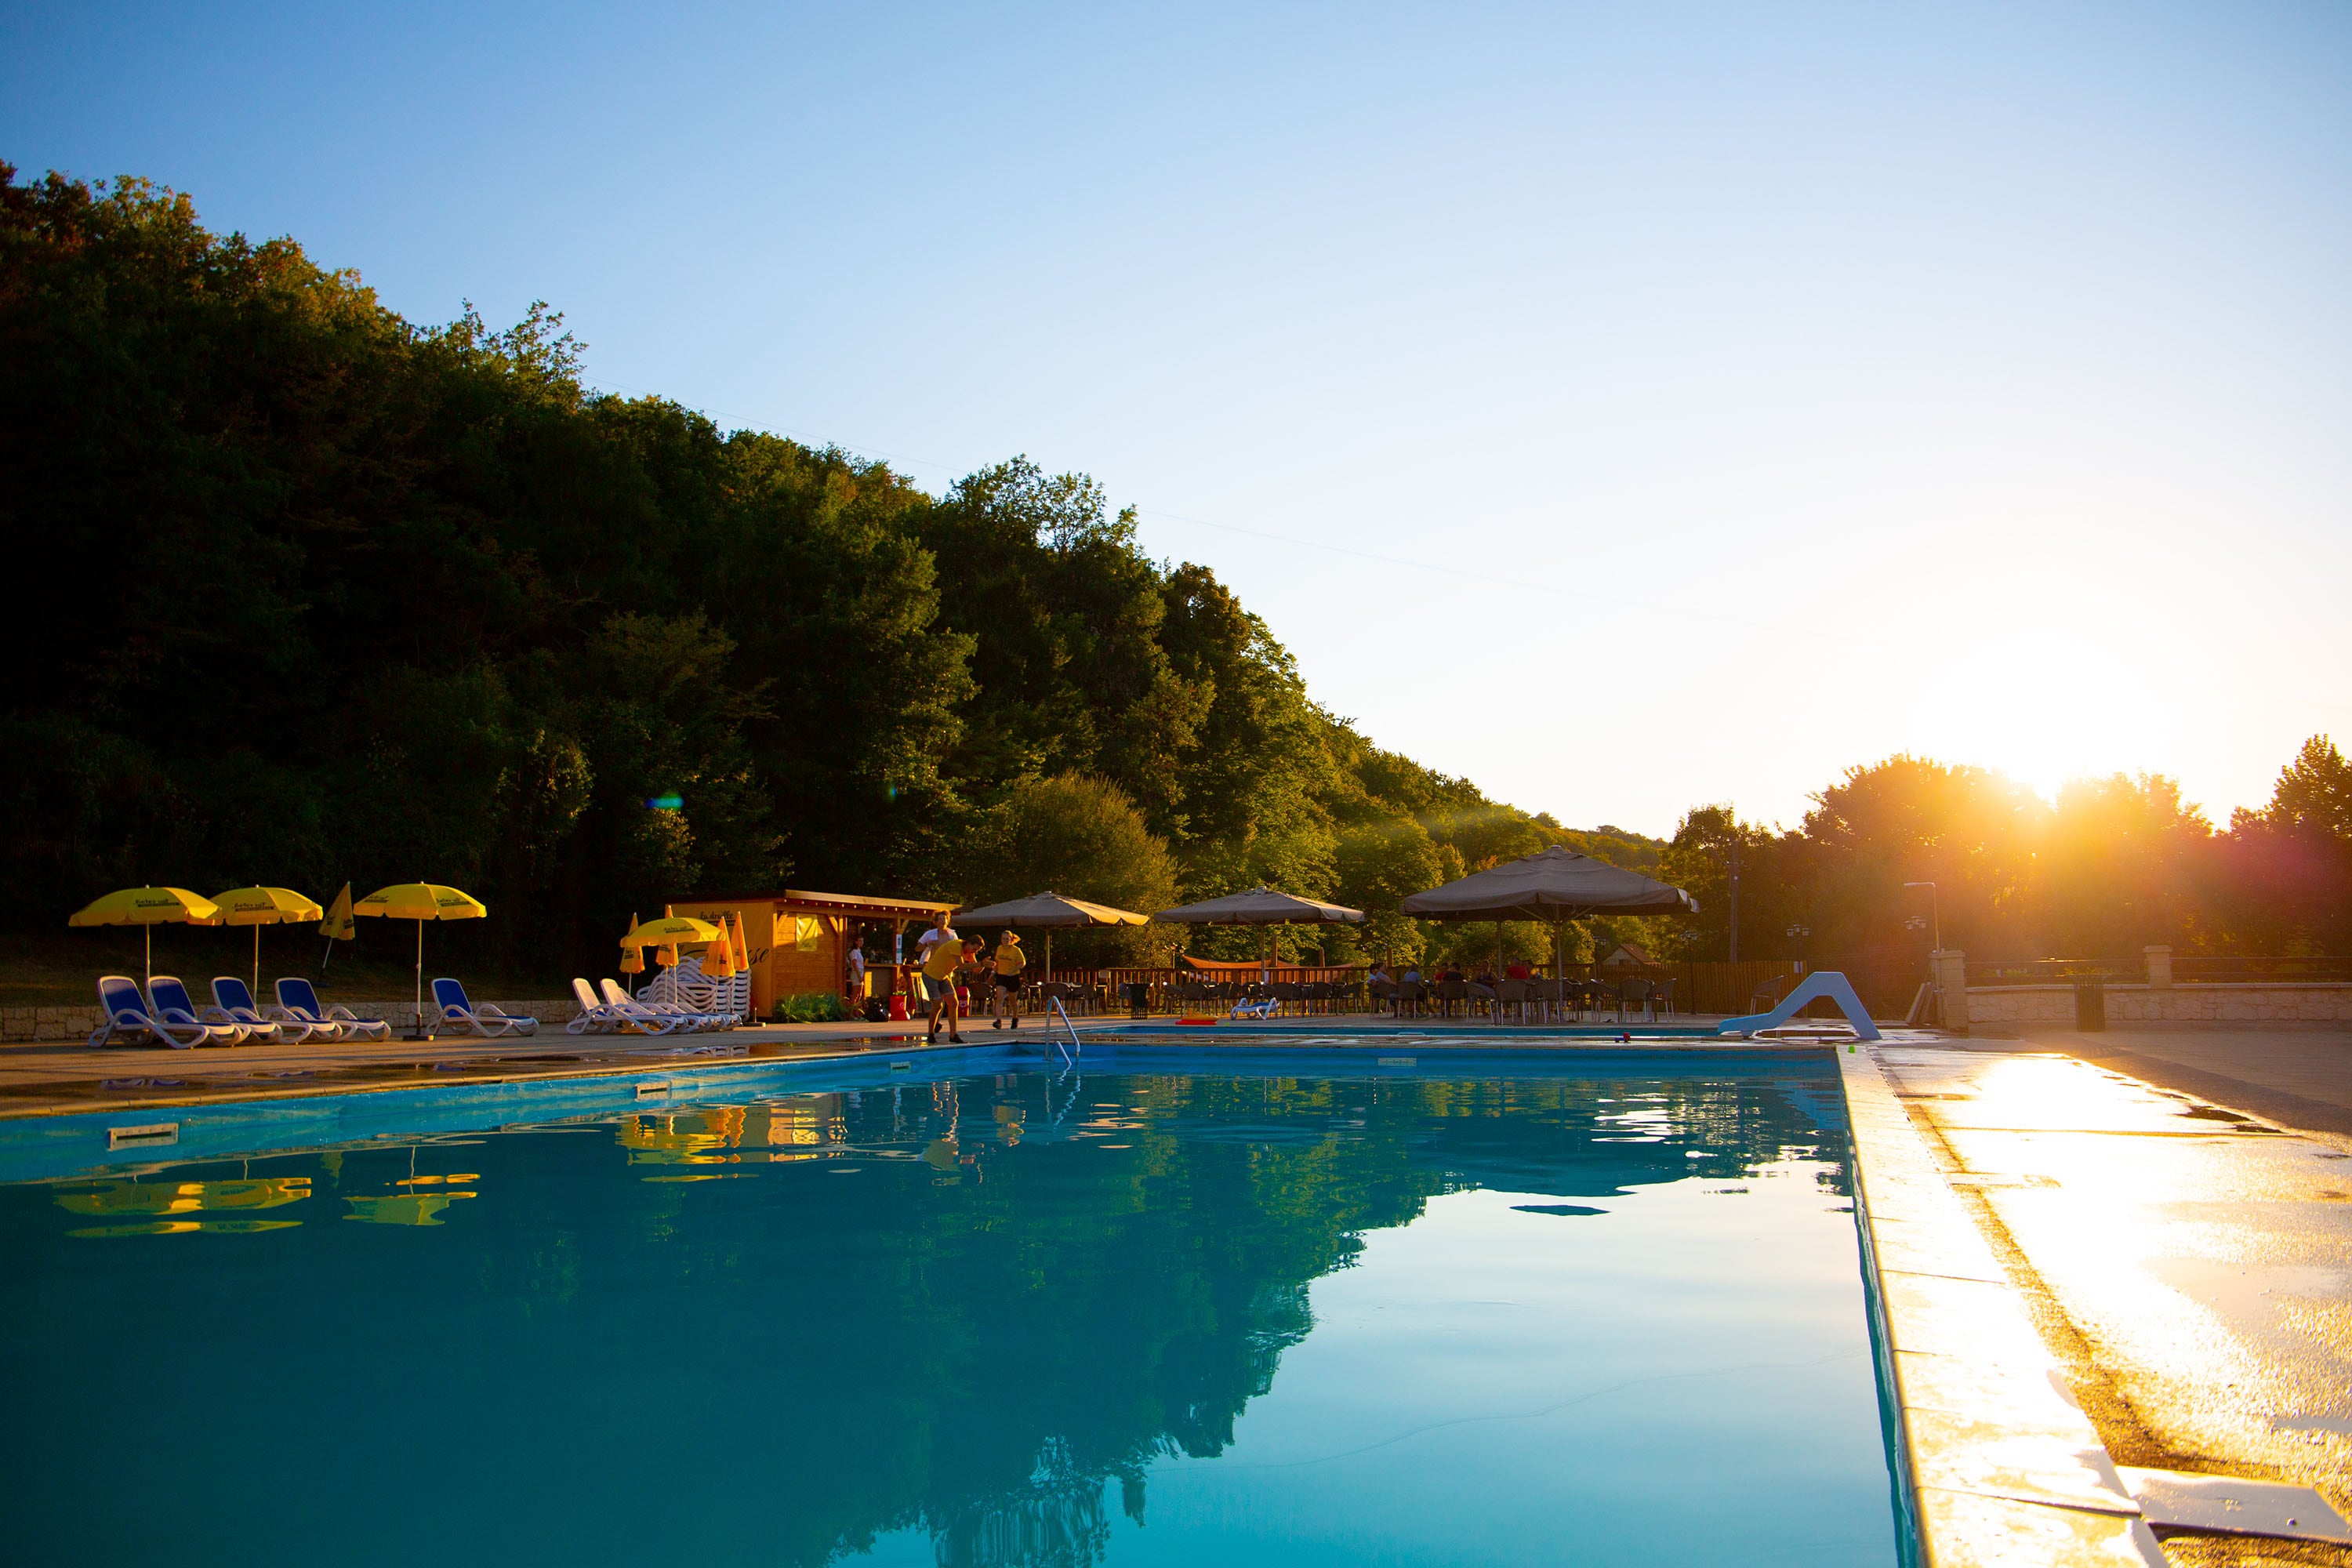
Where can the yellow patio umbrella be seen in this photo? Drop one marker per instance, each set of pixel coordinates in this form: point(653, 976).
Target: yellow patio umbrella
point(338, 926)
point(719, 958)
point(259, 907)
point(421, 901)
point(669, 931)
point(148, 906)
point(633, 959)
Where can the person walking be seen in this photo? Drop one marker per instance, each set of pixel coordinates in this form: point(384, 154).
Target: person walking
point(941, 959)
point(1008, 961)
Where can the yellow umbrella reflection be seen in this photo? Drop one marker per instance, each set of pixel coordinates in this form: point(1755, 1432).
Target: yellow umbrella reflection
point(186, 1197)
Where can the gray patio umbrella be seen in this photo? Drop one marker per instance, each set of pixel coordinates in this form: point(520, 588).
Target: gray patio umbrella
point(1554, 886)
point(1048, 912)
point(1262, 906)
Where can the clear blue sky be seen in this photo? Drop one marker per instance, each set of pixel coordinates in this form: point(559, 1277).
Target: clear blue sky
point(1655, 404)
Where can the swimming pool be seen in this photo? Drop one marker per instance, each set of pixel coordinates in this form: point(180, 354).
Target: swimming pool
point(1165, 1310)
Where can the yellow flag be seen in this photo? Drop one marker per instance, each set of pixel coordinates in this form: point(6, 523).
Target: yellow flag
point(338, 926)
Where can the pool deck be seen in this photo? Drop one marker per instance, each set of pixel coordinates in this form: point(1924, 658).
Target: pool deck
point(2114, 1271)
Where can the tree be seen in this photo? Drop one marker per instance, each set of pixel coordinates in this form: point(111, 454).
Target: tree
point(1081, 837)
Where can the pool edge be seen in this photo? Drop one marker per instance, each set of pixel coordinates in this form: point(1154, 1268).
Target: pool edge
point(1993, 1461)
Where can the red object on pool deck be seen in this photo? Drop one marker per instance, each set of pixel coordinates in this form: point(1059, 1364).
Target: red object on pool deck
point(898, 1007)
point(1196, 1022)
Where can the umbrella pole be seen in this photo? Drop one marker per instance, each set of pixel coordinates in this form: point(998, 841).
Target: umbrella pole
point(149, 932)
point(257, 966)
point(420, 979)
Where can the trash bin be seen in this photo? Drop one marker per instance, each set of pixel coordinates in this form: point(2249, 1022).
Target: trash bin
point(2090, 1005)
point(1138, 999)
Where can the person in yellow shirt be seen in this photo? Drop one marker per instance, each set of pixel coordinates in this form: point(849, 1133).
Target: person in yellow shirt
point(941, 963)
point(1008, 961)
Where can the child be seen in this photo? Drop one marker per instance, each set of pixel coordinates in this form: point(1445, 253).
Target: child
point(1008, 962)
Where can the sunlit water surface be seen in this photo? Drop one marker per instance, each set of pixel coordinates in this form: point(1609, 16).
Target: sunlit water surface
point(1019, 1320)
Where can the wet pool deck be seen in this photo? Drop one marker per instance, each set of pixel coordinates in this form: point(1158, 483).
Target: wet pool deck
point(2115, 1270)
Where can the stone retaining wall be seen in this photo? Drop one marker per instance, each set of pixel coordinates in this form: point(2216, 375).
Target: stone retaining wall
point(2309, 1002)
point(18, 1024)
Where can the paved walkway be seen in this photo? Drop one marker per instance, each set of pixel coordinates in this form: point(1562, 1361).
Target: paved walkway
point(2175, 1205)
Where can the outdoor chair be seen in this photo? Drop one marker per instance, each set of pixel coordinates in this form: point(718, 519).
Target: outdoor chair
point(1286, 993)
point(1664, 994)
point(489, 1020)
point(1448, 992)
point(171, 1003)
point(1384, 995)
point(1767, 994)
point(1552, 1000)
point(299, 1000)
point(1638, 994)
point(1409, 994)
point(1517, 993)
point(611, 1017)
point(231, 997)
point(127, 1015)
point(679, 1018)
point(1482, 996)
point(599, 1016)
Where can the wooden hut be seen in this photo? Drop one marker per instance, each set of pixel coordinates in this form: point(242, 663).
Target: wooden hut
point(800, 942)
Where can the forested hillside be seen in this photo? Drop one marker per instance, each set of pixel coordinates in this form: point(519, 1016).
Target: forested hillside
point(318, 595)
point(312, 594)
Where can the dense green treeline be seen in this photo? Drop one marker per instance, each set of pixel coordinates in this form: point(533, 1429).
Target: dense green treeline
point(327, 596)
point(319, 595)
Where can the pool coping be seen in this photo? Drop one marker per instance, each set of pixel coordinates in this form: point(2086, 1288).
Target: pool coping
point(1995, 1461)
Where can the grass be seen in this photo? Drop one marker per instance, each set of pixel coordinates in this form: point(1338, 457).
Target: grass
point(61, 968)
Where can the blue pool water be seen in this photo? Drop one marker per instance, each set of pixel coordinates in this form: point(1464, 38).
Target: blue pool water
point(1499, 1312)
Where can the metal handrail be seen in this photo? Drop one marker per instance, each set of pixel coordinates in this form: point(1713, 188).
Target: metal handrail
point(1070, 1056)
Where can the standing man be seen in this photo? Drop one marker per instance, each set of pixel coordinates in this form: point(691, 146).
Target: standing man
point(941, 958)
point(1008, 962)
point(857, 972)
point(924, 944)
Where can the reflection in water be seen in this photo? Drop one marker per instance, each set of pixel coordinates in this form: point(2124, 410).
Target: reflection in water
point(1040, 1289)
point(402, 1208)
point(184, 1197)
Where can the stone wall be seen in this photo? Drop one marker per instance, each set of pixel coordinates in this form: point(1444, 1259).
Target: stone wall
point(78, 1024)
point(2303, 1003)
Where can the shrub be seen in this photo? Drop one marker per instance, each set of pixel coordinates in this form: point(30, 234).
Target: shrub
point(811, 1007)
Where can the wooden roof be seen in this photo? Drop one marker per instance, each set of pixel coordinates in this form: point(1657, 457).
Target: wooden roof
point(861, 904)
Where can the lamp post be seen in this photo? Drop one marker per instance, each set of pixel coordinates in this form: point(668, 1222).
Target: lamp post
point(1936, 905)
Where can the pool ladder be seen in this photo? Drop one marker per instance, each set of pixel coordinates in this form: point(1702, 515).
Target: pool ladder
point(1071, 1054)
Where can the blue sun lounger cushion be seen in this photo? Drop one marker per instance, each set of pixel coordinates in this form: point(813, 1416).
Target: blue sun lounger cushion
point(127, 1015)
point(486, 1020)
point(173, 1005)
point(299, 1000)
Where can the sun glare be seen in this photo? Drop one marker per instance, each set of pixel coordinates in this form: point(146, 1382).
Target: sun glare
point(2042, 707)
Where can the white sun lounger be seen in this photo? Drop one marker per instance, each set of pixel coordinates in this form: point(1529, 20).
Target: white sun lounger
point(127, 1017)
point(173, 1005)
point(489, 1020)
point(682, 1017)
point(299, 1000)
